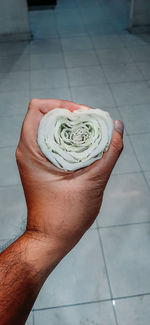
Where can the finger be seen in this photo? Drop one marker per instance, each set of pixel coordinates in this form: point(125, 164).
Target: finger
point(45, 105)
point(37, 108)
point(105, 165)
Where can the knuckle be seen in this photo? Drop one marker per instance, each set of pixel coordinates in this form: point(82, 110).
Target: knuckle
point(33, 102)
point(18, 154)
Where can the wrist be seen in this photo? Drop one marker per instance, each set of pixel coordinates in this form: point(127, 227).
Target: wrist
point(42, 253)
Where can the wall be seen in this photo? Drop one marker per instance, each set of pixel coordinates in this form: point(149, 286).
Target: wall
point(14, 21)
point(140, 15)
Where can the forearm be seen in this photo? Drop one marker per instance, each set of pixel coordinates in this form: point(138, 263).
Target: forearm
point(24, 266)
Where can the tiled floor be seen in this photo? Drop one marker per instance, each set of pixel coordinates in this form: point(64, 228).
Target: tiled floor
point(81, 51)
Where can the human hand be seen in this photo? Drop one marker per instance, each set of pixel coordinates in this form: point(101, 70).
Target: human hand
point(61, 205)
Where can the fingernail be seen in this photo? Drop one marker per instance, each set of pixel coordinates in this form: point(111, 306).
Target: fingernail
point(119, 126)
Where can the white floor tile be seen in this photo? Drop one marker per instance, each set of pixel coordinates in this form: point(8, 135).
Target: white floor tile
point(107, 42)
point(114, 56)
point(14, 63)
point(136, 118)
point(86, 76)
point(140, 53)
point(128, 197)
point(94, 96)
point(95, 313)
point(145, 68)
point(141, 146)
point(47, 61)
point(52, 78)
point(71, 28)
point(14, 48)
point(48, 46)
point(126, 251)
point(133, 311)
point(9, 174)
point(30, 319)
point(127, 162)
point(10, 128)
point(147, 175)
point(13, 103)
point(13, 81)
point(131, 93)
point(80, 59)
point(122, 72)
point(75, 280)
point(76, 44)
point(133, 41)
point(12, 211)
point(59, 93)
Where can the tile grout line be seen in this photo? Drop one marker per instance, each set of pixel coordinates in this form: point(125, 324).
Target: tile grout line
point(92, 302)
point(142, 172)
point(124, 225)
point(107, 275)
point(119, 111)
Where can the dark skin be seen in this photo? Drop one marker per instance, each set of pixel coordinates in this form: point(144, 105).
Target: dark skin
point(61, 207)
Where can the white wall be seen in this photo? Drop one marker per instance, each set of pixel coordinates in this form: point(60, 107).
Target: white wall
point(140, 14)
point(14, 19)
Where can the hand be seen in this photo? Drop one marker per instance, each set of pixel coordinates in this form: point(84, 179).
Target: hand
point(61, 205)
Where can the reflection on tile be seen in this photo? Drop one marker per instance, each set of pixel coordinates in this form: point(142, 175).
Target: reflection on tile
point(95, 313)
point(43, 24)
point(14, 63)
point(13, 103)
point(81, 58)
point(147, 175)
point(9, 174)
point(122, 72)
point(90, 4)
point(95, 96)
point(76, 43)
point(136, 118)
point(140, 54)
point(145, 68)
point(86, 76)
point(52, 78)
point(10, 129)
point(48, 46)
point(127, 161)
point(107, 42)
point(65, 4)
point(15, 48)
point(100, 29)
point(30, 319)
point(12, 211)
point(131, 93)
point(114, 113)
point(141, 146)
point(72, 28)
point(118, 55)
point(59, 93)
point(131, 41)
point(126, 251)
point(128, 196)
point(67, 287)
point(133, 311)
point(14, 81)
point(46, 61)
